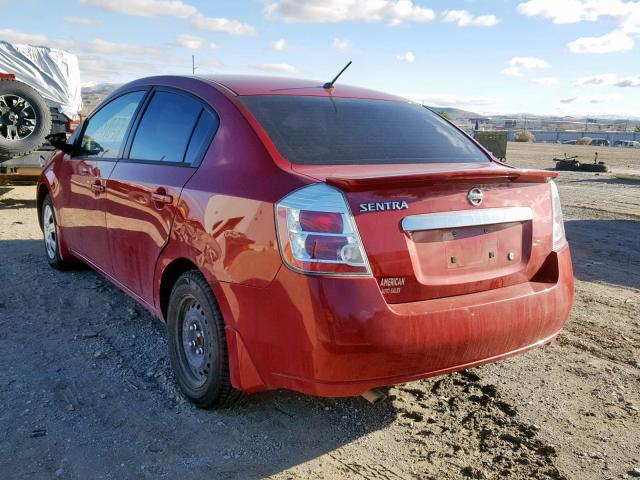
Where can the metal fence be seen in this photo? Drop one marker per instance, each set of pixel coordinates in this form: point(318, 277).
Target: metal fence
point(559, 137)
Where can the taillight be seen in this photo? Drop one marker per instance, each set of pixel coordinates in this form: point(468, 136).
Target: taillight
point(317, 233)
point(559, 238)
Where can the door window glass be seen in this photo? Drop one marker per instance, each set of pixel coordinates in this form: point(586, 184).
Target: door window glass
point(105, 133)
point(165, 128)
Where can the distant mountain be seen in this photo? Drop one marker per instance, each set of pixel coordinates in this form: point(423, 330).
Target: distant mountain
point(457, 113)
point(94, 94)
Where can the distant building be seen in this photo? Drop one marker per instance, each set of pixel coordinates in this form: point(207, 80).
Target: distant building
point(510, 124)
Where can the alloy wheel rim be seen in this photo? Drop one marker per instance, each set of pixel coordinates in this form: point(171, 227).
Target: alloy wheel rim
point(17, 118)
point(50, 237)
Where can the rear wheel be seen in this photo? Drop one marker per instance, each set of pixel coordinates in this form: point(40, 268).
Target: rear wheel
point(25, 119)
point(51, 235)
point(197, 344)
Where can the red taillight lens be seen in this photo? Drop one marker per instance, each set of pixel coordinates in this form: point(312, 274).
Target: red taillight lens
point(311, 221)
point(317, 234)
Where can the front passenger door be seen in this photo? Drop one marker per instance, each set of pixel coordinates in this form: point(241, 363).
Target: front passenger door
point(83, 197)
point(143, 189)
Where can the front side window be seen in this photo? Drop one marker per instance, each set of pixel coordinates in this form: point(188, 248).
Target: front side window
point(105, 132)
point(165, 128)
point(349, 131)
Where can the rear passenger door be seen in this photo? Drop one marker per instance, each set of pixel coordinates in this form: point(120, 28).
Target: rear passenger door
point(169, 140)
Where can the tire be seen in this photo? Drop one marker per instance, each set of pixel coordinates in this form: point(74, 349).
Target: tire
point(50, 233)
point(594, 167)
point(197, 344)
point(25, 119)
point(567, 165)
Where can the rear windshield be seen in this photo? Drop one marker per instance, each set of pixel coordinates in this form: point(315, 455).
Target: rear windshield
point(346, 131)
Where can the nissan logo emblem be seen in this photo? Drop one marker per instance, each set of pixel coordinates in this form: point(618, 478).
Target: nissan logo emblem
point(475, 196)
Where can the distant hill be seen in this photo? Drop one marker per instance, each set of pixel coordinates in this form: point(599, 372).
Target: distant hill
point(457, 113)
point(93, 95)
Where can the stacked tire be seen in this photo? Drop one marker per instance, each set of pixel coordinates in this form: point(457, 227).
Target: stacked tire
point(25, 119)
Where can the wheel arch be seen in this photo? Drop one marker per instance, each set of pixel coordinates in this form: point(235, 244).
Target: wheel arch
point(170, 275)
point(244, 374)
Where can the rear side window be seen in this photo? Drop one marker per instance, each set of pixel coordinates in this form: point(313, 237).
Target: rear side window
point(346, 131)
point(165, 128)
point(201, 137)
point(105, 132)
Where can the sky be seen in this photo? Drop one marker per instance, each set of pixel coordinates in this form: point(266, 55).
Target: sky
point(560, 57)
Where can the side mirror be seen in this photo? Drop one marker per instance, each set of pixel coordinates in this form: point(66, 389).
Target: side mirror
point(59, 141)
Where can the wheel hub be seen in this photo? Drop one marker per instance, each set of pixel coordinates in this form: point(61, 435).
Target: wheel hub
point(193, 337)
point(17, 118)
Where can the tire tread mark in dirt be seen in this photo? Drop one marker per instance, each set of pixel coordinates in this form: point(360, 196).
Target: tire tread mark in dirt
point(369, 471)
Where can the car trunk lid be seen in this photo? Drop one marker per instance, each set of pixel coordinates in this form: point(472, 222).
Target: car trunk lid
point(428, 234)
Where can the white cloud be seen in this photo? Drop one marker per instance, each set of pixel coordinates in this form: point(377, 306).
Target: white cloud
point(82, 21)
point(625, 14)
point(189, 41)
point(608, 80)
point(574, 11)
point(342, 45)
point(518, 64)
point(465, 19)
point(145, 8)
point(546, 81)
point(110, 48)
point(617, 41)
point(223, 25)
point(602, 79)
point(275, 68)
point(394, 12)
point(97, 69)
point(278, 46)
point(408, 57)
point(628, 82)
point(591, 99)
point(13, 36)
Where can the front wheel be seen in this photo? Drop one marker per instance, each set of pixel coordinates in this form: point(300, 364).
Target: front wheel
point(50, 231)
point(197, 343)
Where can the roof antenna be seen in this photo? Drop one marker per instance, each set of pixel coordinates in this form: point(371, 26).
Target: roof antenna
point(330, 84)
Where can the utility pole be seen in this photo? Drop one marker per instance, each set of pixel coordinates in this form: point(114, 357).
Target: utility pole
point(193, 64)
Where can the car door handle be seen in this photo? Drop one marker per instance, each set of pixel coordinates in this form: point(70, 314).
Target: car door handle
point(98, 188)
point(161, 197)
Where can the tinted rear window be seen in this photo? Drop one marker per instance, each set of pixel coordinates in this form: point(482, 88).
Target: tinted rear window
point(345, 131)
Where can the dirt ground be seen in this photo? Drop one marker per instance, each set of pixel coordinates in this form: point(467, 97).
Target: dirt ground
point(86, 390)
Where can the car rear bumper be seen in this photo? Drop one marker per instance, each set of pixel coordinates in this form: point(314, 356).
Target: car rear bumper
point(338, 337)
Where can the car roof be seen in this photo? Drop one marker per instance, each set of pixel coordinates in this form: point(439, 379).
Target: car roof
point(269, 85)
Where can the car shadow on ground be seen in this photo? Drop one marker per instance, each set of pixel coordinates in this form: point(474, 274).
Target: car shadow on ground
point(605, 250)
point(97, 362)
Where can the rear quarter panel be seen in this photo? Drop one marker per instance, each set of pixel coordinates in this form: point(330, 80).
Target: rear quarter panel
point(225, 218)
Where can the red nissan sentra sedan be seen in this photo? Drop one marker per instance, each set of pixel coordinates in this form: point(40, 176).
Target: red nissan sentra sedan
point(324, 240)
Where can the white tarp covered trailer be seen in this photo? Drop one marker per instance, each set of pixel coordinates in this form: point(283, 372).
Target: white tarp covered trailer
point(53, 73)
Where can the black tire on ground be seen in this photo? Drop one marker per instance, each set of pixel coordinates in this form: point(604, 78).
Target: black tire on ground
point(594, 167)
point(50, 232)
point(567, 165)
point(197, 344)
point(38, 112)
